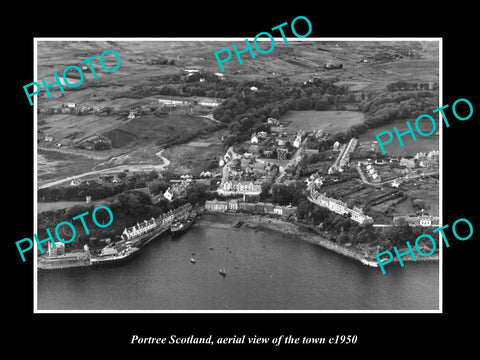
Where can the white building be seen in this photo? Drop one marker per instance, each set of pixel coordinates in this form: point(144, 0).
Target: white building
point(273, 121)
point(139, 229)
point(76, 182)
point(210, 102)
point(254, 139)
point(262, 134)
point(168, 194)
point(396, 183)
point(339, 207)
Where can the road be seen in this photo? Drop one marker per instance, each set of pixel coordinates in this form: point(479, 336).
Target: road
point(210, 117)
point(115, 169)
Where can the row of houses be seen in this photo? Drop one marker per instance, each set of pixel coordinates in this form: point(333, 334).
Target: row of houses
point(234, 205)
point(343, 157)
point(177, 101)
point(422, 220)
point(339, 207)
point(149, 225)
point(242, 187)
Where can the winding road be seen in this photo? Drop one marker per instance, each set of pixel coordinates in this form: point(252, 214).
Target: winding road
point(114, 169)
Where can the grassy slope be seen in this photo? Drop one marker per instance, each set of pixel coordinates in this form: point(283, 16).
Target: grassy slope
point(297, 60)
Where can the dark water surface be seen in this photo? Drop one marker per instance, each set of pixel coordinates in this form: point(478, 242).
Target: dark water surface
point(265, 270)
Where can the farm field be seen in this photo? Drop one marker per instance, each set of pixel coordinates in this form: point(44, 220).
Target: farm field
point(331, 122)
point(52, 165)
point(197, 155)
point(56, 205)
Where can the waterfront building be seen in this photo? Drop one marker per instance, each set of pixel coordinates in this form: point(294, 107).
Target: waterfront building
point(233, 205)
point(58, 250)
point(216, 205)
point(249, 207)
point(139, 229)
point(339, 207)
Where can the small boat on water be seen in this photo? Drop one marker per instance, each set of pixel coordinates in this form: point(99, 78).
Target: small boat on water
point(210, 248)
point(222, 272)
point(180, 226)
point(193, 261)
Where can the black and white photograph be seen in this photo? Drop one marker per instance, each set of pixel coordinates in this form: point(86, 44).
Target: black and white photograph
point(231, 186)
point(212, 179)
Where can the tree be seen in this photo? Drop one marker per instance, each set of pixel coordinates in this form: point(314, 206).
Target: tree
point(139, 184)
point(321, 105)
point(275, 113)
point(265, 189)
point(152, 175)
point(158, 186)
point(304, 209)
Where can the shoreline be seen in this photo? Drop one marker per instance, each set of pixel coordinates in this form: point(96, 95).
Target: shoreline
point(300, 231)
point(228, 221)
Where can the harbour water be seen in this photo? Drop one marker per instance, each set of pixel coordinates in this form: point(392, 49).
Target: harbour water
point(264, 271)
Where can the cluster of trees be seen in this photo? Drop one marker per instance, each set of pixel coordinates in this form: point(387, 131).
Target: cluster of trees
point(97, 190)
point(128, 208)
point(247, 111)
point(158, 186)
point(398, 234)
point(292, 193)
point(196, 194)
point(386, 107)
point(78, 193)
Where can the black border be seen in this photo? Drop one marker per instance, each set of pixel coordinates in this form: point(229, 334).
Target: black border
point(379, 334)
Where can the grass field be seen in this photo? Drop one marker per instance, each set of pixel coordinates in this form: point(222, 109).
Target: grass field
point(53, 165)
point(196, 155)
point(330, 121)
